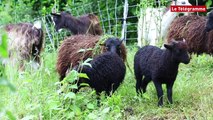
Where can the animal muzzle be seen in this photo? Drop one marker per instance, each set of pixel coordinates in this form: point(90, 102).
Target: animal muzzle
point(187, 60)
point(113, 50)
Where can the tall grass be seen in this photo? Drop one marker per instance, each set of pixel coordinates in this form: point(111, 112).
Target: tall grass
point(36, 95)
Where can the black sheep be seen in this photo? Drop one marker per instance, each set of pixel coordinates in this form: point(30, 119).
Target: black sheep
point(160, 66)
point(107, 71)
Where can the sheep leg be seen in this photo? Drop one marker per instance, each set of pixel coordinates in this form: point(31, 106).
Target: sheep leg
point(108, 90)
point(169, 92)
point(98, 98)
point(35, 54)
point(79, 85)
point(37, 59)
point(62, 77)
point(108, 93)
point(76, 90)
point(138, 84)
point(111, 89)
point(145, 82)
point(159, 90)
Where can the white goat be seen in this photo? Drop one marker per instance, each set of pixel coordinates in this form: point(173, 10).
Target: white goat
point(154, 22)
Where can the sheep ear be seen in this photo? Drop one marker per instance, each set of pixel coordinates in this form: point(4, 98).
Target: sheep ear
point(168, 46)
point(55, 14)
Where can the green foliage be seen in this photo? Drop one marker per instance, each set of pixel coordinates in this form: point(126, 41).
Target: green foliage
point(39, 95)
point(208, 3)
point(6, 17)
point(3, 78)
point(15, 11)
point(3, 45)
point(3, 56)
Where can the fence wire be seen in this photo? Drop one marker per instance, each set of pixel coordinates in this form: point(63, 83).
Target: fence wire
point(111, 18)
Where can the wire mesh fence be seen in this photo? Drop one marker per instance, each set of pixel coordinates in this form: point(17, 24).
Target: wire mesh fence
point(112, 19)
point(111, 15)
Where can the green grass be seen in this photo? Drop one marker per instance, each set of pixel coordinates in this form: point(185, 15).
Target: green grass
point(36, 96)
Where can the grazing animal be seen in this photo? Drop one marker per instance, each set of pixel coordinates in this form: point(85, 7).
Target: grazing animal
point(25, 42)
point(160, 66)
point(154, 22)
point(85, 24)
point(106, 74)
point(196, 30)
point(69, 54)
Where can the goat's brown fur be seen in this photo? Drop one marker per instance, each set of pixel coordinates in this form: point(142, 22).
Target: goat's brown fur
point(69, 54)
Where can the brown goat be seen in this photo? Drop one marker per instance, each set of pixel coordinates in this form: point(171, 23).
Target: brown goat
point(193, 30)
point(25, 42)
point(70, 53)
point(85, 24)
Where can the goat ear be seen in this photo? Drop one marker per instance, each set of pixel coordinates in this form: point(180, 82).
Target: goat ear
point(167, 46)
point(55, 14)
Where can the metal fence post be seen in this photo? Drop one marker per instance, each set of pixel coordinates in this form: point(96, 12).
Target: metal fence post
point(124, 26)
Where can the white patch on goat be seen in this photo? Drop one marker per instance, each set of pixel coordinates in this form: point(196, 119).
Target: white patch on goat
point(154, 23)
point(37, 24)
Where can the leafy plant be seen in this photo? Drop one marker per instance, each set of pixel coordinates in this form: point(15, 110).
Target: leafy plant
point(208, 3)
point(3, 78)
point(3, 56)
